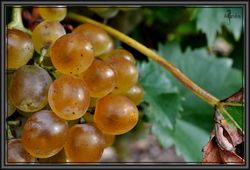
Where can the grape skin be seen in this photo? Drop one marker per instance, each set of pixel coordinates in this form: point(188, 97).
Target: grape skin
point(69, 97)
point(127, 74)
point(56, 13)
point(96, 35)
point(109, 48)
point(85, 144)
point(135, 93)
point(16, 154)
point(44, 134)
point(19, 48)
point(120, 53)
point(45, 34)
point(109, 139)
point(100, 77)
point(29, 88)
point(72, 54)
point(115, 114)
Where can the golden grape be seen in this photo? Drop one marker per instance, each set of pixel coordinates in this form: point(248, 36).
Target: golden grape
point(115, 114)
point(44, 134)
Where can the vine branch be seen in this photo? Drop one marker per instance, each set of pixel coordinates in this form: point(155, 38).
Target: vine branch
point(149, 53)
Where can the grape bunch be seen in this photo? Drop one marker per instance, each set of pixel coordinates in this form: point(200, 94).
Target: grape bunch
point(75, 98)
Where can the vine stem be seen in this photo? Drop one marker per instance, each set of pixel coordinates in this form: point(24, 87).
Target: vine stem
point(17, 22)
point(233, 104)
point(10, 136)
point(15, 122)
point(149, 53)
point(82, 120)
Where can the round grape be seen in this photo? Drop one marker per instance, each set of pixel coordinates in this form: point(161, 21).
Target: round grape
point(127, 74)
point(100, 78)
point(29, 88)
point(120, 53)
point(16, 154)
point(44, 134)
point(56, 13)
point(115, 114)
point(69, 97)
point(45, 34)
point(135, 93)
point(85, 143)
point(109, 48)
point(19, 48)
point(72, 54)
point(96, 35)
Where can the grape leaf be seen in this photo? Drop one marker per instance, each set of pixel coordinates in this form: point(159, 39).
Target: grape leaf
point(183, 137)
point(236, 24)
point(162, 96)
point(215, 75)
point(211, 19)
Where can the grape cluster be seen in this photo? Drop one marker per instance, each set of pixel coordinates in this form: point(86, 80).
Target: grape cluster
point(73, 116)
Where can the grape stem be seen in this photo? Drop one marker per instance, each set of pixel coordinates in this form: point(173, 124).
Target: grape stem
point(17, 22)
point(10, 136)
point(15, 122)
point(43, 52)
point(82, 120)
point(149, 53)
point(50, 69)
point(91, 110)
point(53, 73)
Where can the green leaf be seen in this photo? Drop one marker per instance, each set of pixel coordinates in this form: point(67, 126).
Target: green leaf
point(211, 19)
point(189, 140)
point(209, 22)
point(214, 75)
point(236, 24)
point(237, 114)
point(164, 134)
point(234, 110)
point(164, 99)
